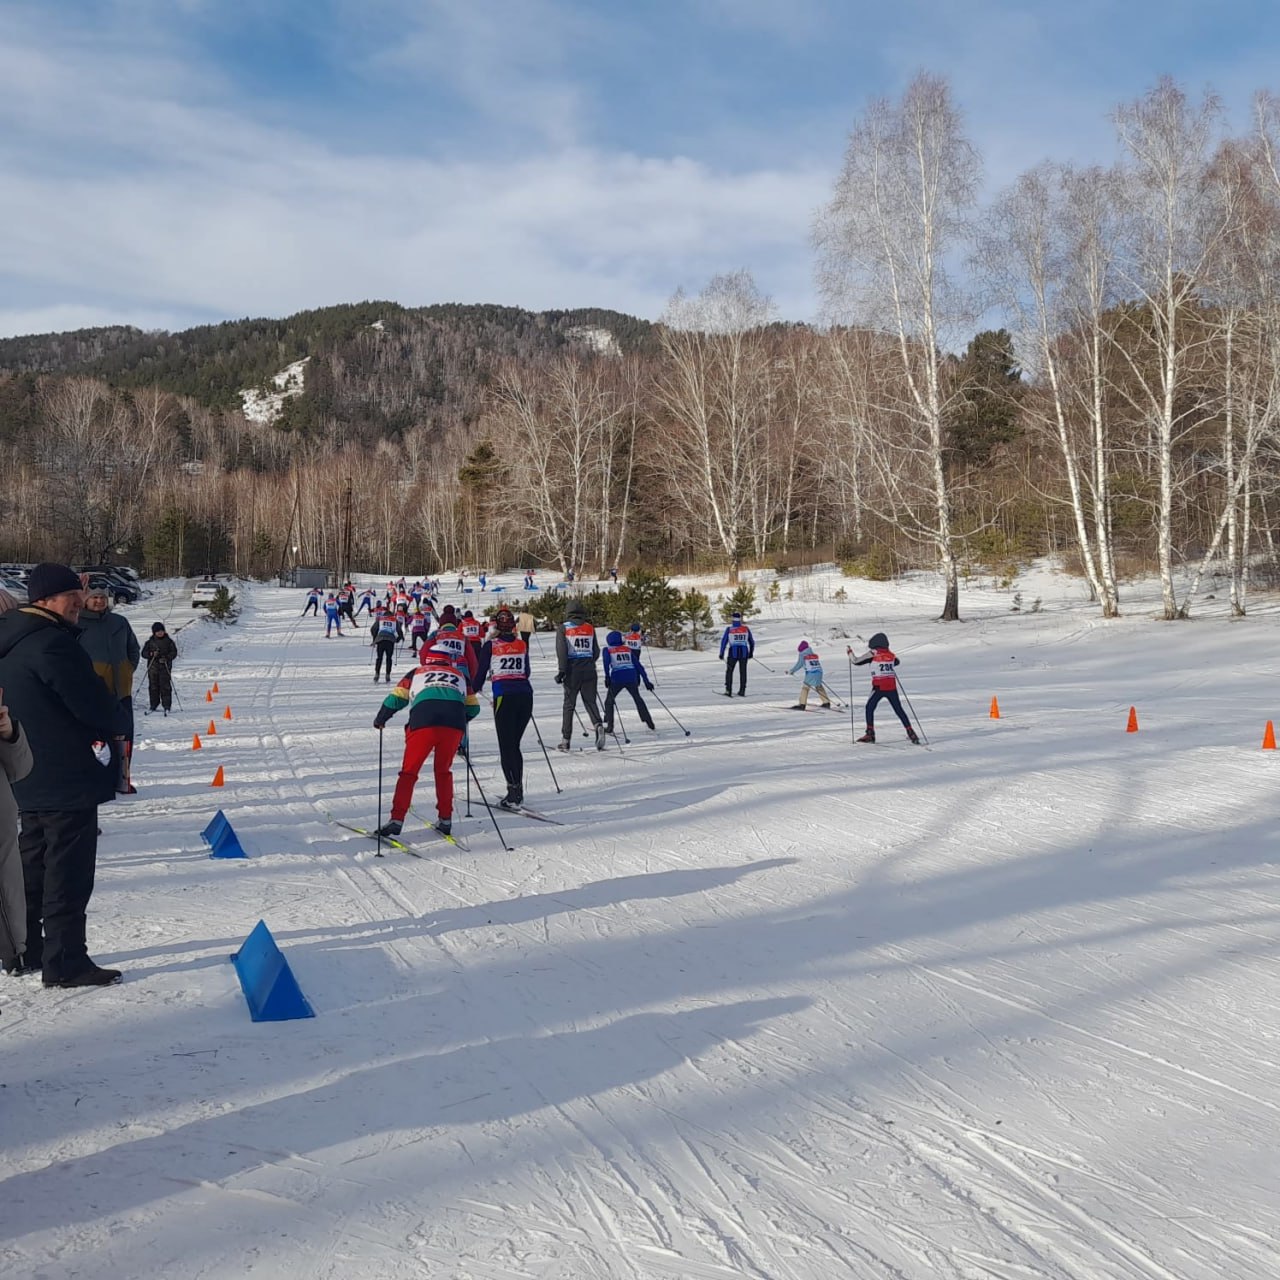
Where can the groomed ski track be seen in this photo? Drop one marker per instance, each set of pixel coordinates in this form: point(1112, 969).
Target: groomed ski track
point(770, 1005)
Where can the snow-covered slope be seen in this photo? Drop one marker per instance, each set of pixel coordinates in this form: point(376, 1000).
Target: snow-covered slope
point(768, 1005)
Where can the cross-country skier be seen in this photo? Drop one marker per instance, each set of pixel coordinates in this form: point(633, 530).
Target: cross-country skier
point(449, 638)
point(807, 660)
point(504, 658)
point(419, 625)
point(624, 670)
point(386, 633)
point(740, 645)
point(346, 602)
point(313, 602)
point(577, 650)
point(160, 653)
point(366, 601)
point(332, 615)
point(884, 684)
point(472, 629)
point(634, 639)
point(439, 707)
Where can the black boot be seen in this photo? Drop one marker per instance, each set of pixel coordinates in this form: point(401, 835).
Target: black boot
point(869, 736)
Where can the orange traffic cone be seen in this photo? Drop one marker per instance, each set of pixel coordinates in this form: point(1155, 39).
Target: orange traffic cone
point(215, 687)
point(995, 709)
point(212, 730)
point(218, 779)
point(226, 715)
point(1269, 737)
point(208, 695)
point(196, 744)
point(1132, 726)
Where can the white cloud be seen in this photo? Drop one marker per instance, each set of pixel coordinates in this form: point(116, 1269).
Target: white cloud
point(190, 207)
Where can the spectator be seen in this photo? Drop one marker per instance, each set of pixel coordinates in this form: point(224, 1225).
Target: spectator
point(109, 641)
point(525, 625)
point(160, 653)
point(52, 690)
point(15, 764)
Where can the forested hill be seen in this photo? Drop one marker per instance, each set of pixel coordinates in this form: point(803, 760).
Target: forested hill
point(427, 361)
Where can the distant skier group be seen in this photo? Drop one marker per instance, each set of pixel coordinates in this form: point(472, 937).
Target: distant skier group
point(457, 653)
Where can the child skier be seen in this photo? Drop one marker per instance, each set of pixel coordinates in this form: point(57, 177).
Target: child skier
point(439, 708)
point(624, 670)
point(884, 684)
point(808, 661)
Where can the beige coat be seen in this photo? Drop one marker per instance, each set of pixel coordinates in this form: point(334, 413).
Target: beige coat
point(15, 763)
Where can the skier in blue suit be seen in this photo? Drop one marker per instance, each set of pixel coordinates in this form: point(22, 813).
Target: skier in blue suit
point(741, 647)
point(624, 670)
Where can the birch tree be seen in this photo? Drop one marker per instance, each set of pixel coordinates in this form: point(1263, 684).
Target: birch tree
point(1173, 229)
point(899, 211)
point(714, 394)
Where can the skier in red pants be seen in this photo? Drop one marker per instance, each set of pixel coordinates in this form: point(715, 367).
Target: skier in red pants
point(440, 704)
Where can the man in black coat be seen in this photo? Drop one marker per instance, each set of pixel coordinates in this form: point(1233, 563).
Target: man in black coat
point(50, 685)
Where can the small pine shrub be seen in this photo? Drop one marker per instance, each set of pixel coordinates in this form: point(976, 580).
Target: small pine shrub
point(221, 605)
point(742, 600)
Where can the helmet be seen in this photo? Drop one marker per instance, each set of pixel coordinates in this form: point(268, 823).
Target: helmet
point(802, 646)
point(613, 638)
point(879, 641)
point(505, 620)
point(737, 617)
point(635, 626)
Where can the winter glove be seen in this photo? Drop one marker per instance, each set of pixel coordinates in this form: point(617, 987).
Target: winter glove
point(559, 677)
point(378, 721)
point(649, 686)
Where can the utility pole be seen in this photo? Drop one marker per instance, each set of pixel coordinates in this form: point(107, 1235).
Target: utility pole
point(344, 572)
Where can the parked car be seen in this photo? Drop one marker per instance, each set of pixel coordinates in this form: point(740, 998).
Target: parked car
point(15, 587)
point(203, 593)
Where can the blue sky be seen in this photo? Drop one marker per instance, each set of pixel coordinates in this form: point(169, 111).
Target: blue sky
point(171, 162)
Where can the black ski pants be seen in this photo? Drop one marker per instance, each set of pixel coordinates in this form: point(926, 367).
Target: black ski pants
point(738, 660)
point(634, 691)
point(59, 855)
point(891, 697)
point(511, 715)
point(579, 682)
point(313, 606)
point(160, 685)
point(386, 649)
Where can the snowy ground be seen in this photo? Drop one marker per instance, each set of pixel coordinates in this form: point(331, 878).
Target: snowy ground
point(769, 1005)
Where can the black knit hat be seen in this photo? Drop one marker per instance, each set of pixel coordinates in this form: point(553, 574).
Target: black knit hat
point(156, 626)
point(47, 580)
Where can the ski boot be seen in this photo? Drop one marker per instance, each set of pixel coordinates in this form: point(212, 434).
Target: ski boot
point(444, 826)
point(392, 828)
point(912, 736)
point(869, 736)
point(513, 800)
point(797, 706)
point(564, 745)
point(600, 737)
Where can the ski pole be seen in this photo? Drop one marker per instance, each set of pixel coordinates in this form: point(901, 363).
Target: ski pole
point(578, 714)
point(622, 729)
point(924, 737)
point(853, 729)
point(379, 831)
point(546, 755)
point(497, 829)
point(672, 714)
point(765, 665)
point(465, 748)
